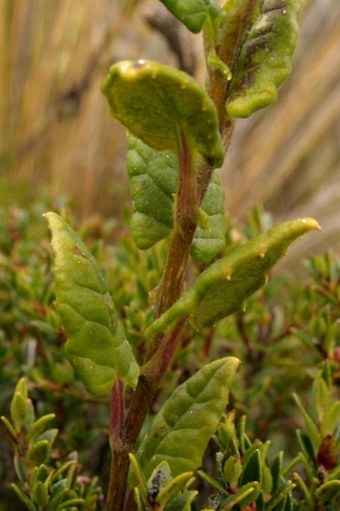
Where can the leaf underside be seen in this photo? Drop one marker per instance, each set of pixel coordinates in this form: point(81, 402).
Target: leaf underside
point(264, 61)
point(96, 344)
point(161, 105)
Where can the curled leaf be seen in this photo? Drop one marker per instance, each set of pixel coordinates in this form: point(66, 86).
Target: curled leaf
point(223, 288)
point(264, 61)
point(160, 105)
point(181, 430)
point(96, 344)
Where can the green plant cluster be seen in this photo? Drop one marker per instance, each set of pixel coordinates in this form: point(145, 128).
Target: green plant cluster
point(270, 339)
point(41, 485)
point(159, 337)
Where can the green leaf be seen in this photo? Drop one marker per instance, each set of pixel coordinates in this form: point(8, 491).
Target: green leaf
point(181, 430)
point(232, 469)
point(209, 238)
point(173, 488)
point(182, 502)
point(243, 497)
point(331, 418)
point(264, 61)
point(223, 288)
point(281, 494)
point(10, 430)
point(96, 344)
point(306, 445)
point(277, 471)
point(19, 411)
point(313, 431)
point(306, 492)
point(40, 494)
point(322, 398)
point(24, 499)
point(252, 470)
point(37, 453)
point(328, 491)
point(161, 105)
point(22, 388)
point(39, 426)
point(153, 177)
point(193, 13)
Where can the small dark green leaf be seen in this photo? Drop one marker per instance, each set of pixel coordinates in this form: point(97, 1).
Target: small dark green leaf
point(313, 430)
point(96, 344)
point(223, 288)
point(252, 470)
point(264, 60)
point(280, 497)
point(193, 13)
point(161, 105)
point(243, 497)
point(181, 430)
point(305, 445)
point(276, 470)
point(289, 504)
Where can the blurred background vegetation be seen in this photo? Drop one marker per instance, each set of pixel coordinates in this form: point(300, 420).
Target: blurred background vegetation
point(56, 130)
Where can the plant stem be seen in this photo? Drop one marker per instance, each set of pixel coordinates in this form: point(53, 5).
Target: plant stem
point(169, 291)
point(185, 225)
point(192, 187)
point(227, 48)
point(140, 405)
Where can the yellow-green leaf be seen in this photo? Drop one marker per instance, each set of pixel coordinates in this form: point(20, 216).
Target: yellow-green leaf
point(181, 430)
point(264, 61)
point(161, 105)
point(224, 287)
point(96, 344)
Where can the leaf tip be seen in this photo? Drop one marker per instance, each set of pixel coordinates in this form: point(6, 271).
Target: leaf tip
point(311, 224)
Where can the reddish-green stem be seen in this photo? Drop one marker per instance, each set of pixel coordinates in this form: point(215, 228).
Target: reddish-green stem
point(169, 292)
point(192, 187)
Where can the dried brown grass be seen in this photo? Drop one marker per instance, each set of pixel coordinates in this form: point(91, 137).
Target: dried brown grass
point(56, 128)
